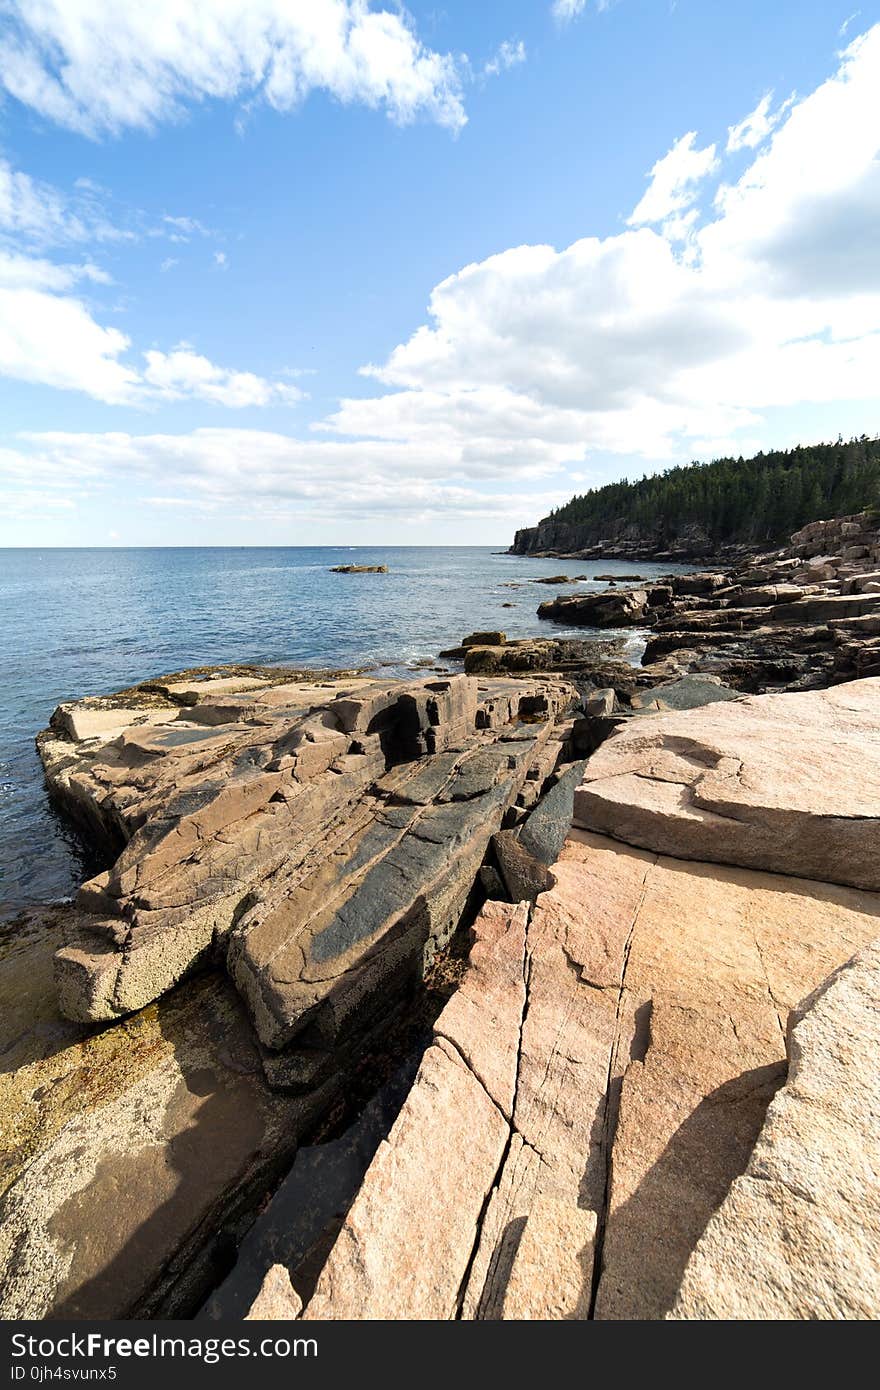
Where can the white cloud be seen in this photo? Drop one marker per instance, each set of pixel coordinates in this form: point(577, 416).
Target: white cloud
point(53, 340)
point(261, 477)
point(754, 128)
point(847, 22)
point(509, 54)
point(674, 180)
point(637, 343)
point(42, 215)
point(184, 374)
point(50, 337)
point(186, 227)
point(34, 273)
point(100, 69)
point(168, 264)
point(666, 341)
point(566, 10)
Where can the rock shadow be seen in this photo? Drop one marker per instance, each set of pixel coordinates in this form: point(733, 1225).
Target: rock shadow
point(650, 1237)
point(156, 1225)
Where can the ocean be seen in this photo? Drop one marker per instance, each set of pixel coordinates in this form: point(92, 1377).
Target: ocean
point(87, 622)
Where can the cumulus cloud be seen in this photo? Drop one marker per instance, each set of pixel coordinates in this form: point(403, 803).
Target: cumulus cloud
point(101, 69)
point(184, 374)
point(637, 344)
point(674, 181)
point(672, 339)
point(50, 336)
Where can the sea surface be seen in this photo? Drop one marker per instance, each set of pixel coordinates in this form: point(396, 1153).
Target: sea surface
point(87, 622)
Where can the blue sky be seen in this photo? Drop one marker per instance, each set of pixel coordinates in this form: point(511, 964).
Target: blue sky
point(335, 272)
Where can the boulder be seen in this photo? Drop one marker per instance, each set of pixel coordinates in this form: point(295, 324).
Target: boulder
point(737, 783)
point(584, 658)
point(690, 692)
point(544, 831)
point(767, 595)
point(600, 703)
point(705, 583)
point(827, 607)
point(612, 608)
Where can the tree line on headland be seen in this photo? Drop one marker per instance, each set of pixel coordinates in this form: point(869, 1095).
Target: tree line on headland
point(760, 499)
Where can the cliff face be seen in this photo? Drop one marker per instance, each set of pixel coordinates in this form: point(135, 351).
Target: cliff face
point(621, 538)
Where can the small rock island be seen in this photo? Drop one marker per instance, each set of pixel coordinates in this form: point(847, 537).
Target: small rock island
point(359, 569)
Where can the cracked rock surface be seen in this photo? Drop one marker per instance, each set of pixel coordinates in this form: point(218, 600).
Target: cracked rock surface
point(798, 1235)
point(592, 1091)
point(289, 855)
point(600, 1124)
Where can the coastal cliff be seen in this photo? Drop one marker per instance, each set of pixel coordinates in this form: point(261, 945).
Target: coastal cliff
point(619, 539)
point(710, 510)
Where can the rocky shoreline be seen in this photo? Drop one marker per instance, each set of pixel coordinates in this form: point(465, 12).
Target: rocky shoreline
point(543, 990)
point(796, 618)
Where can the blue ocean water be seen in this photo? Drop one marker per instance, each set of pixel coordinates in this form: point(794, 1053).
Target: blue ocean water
point(78, 622)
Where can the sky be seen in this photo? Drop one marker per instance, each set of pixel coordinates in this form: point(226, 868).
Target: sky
point(305, 272)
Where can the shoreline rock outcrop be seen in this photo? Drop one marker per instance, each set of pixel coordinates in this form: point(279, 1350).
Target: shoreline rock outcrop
point(620, 1042)
point(608, 1098)
point(515, 994)
point(359, 569)
point(797, 618)
point(290, 859)
point(291, 830)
